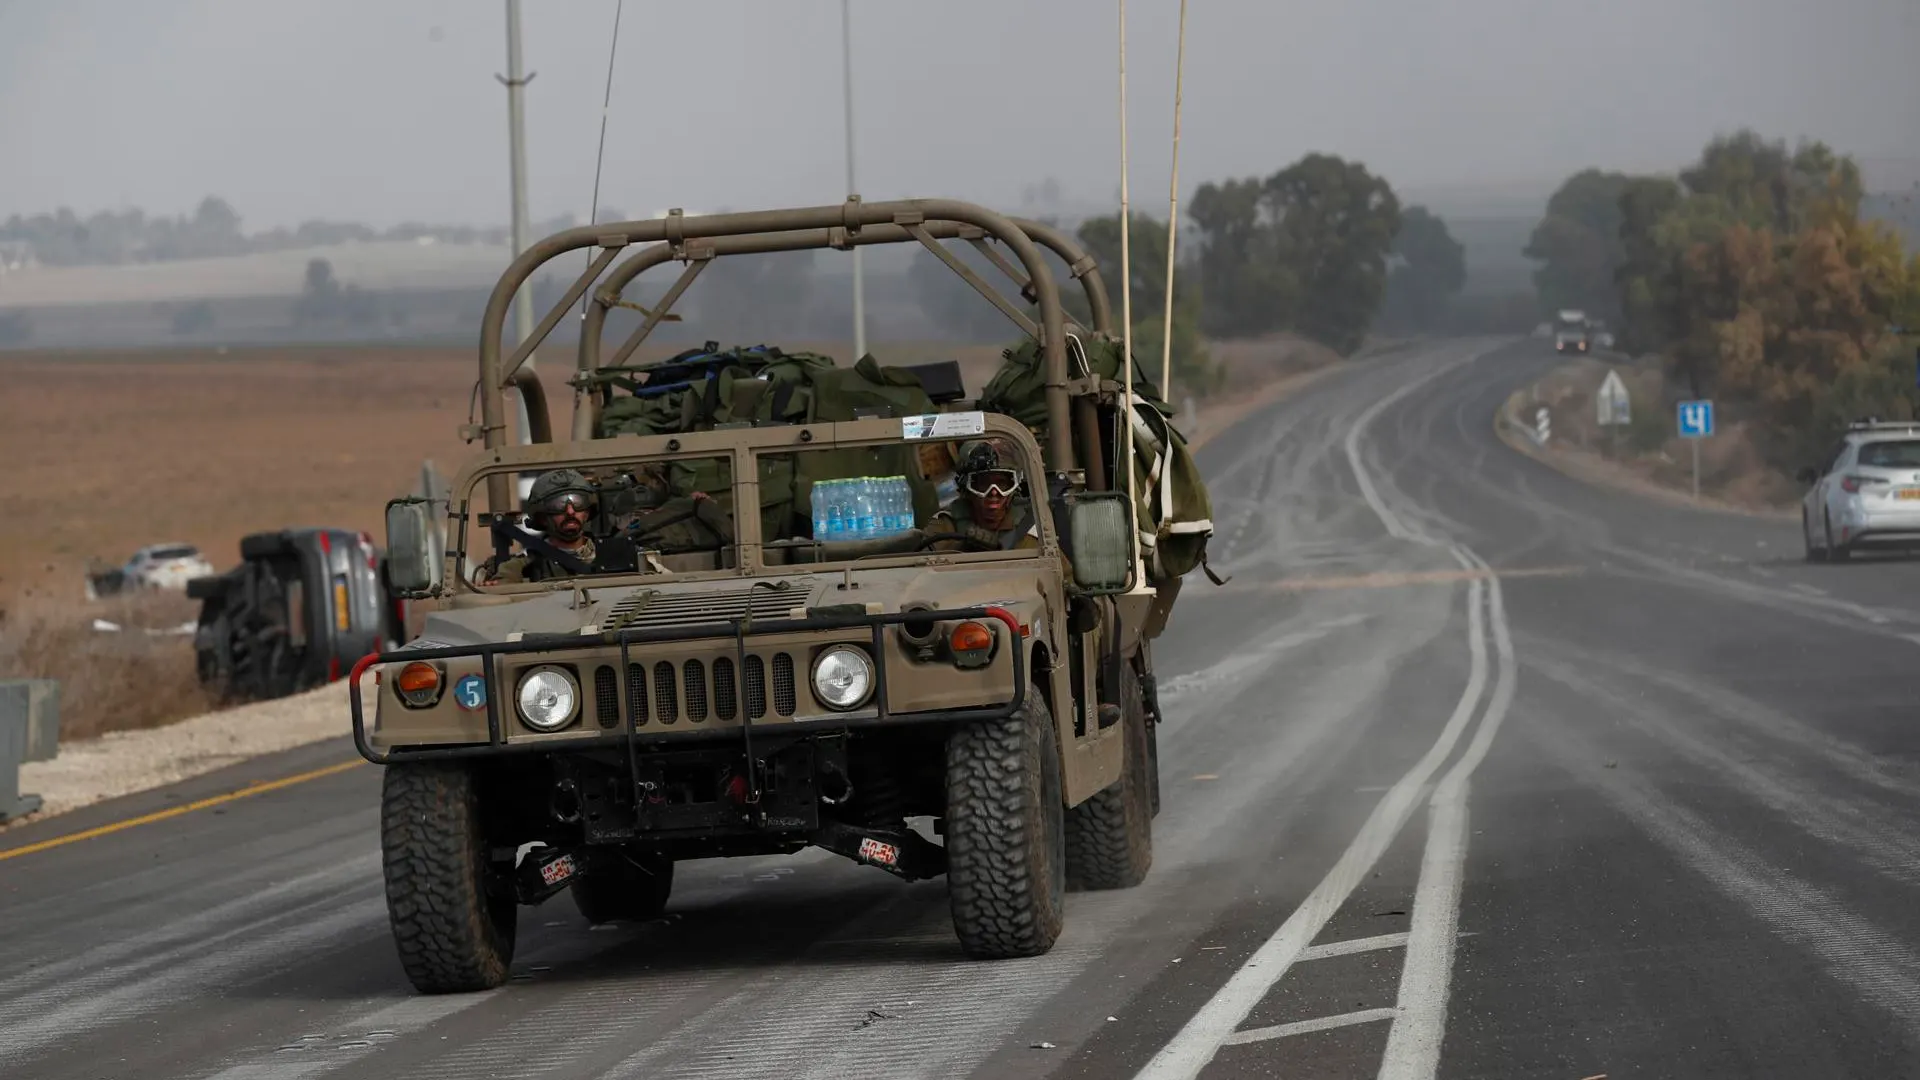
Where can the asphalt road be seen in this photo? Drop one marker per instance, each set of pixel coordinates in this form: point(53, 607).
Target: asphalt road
point(1472, 770)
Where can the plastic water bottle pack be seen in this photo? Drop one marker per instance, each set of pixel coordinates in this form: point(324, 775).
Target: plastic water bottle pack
point(862, 508)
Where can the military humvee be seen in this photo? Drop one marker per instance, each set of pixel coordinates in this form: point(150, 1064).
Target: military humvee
point(748, 687)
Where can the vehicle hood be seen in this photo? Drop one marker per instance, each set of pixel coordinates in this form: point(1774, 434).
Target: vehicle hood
point(670, 605)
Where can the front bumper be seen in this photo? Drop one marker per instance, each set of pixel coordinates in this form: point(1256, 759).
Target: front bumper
point(631, 737)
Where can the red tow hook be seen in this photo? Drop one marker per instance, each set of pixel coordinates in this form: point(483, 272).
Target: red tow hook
point(737, 789)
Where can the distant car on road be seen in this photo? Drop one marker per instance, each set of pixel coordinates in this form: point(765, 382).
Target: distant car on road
point(1866, 495)
point(156, 566)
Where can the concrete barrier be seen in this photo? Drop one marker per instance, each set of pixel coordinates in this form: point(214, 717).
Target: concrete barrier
point(29, 731)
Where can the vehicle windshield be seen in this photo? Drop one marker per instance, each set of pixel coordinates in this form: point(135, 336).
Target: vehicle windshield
point(827, 505)
point(1891, 453)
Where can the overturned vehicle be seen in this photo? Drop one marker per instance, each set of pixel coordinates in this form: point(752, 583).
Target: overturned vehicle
point(300, 608)
point(760, 601)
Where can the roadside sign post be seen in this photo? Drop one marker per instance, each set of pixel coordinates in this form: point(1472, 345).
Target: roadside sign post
point(1615, 407)
point(1696, 423)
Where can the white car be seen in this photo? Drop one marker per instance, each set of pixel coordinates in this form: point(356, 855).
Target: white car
point(156, 566)
point(1866, 495)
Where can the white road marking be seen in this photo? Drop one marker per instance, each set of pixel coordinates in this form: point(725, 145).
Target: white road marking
point(1302, 1027)
point(1413, 1044)
point(1214, 1024)
point(1354, 945)
point(1810, 590)
point(1915, 638)
point(1195, 1044)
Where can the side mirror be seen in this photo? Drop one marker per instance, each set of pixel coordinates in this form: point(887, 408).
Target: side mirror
point(1808, 475)
point(1101, 535)
point(412, 568)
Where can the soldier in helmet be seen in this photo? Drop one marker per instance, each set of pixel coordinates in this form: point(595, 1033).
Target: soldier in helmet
point(993, 506)
point(560, 506)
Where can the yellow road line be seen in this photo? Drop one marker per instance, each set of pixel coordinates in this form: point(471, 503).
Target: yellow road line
point(1424, 577)
point(176, 811)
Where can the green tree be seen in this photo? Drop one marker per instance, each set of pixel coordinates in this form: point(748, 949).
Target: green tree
point(1336, 223)
point(1249, 288)
point(1430, 268)
point(1146, 259)
point(1578, 245)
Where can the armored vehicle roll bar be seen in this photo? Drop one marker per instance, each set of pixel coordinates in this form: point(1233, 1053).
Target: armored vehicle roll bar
point(698, 240)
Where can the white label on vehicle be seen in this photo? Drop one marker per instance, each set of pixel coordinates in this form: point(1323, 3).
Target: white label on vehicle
point(943, 425)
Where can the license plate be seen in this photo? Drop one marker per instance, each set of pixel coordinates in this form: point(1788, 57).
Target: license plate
point(1907, 493)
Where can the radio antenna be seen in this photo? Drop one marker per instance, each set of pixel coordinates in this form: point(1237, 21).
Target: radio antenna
point(1173, 214)
point(1127, 418)
point(593, 210)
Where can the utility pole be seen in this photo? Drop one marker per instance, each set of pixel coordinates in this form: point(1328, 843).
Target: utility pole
point(517, 152)
point(859, 282)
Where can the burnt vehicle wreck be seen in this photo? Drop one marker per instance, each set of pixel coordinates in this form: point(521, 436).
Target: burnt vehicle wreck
point(742, 620)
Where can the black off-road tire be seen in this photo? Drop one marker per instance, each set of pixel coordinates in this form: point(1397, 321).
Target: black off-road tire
point(1006, 834)
point(1110, 836)
point(619, 887)
point(454, 918)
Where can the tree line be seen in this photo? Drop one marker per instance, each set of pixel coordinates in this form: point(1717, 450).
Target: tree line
point(115, 237)
point(1754, 276)
point(1322, 248)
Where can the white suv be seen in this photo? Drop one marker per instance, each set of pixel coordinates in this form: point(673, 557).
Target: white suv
point(1867, 495)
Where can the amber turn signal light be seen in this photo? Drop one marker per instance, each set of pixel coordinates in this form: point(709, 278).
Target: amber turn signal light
point(972, 644)
point(418, 684)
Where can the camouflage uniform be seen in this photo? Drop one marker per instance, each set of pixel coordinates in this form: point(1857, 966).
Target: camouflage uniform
point(958, 518)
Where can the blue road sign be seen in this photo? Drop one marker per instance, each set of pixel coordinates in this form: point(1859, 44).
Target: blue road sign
point(1696, 419)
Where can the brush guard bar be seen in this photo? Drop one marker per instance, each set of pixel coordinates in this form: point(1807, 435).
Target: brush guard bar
point(630, 736)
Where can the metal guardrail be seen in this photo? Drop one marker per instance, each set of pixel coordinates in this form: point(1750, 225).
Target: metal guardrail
point(29, 731)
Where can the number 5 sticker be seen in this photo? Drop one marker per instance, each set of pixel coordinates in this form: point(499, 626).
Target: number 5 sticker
point(470, 693)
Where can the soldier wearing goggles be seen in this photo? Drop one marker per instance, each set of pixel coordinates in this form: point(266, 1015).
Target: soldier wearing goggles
point(993, 506)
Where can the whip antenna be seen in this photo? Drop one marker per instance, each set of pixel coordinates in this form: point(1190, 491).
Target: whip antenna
point(593, 209)
point(1173, 213)
point(1127, 419)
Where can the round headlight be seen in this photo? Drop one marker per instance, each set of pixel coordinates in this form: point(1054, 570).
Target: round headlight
point(548, 698)
point(843, 677)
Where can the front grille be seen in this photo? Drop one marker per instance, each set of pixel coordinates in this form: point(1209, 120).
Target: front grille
point(696, 690)
point(784, 701)
point(725, 702)
point(606, 705)
point(666, 703)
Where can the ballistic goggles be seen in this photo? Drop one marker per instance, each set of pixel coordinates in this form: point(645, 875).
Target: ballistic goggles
point(1003, 482)
point(574, 500)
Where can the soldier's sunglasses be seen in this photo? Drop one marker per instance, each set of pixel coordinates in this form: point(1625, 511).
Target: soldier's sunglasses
point(563, 501)
point(993, 482)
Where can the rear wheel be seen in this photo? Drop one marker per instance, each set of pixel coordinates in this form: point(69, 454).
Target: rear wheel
point(622, 887)
point(1006, 834)
point(1110, 836)
point(453, 915)
point(1835, 552)
point(1810, 553)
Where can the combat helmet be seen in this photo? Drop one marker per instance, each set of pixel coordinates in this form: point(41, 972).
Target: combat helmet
point(555, 483)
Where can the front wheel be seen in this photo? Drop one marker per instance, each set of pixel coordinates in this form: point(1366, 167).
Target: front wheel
point(453, 915)
point(1006, 834)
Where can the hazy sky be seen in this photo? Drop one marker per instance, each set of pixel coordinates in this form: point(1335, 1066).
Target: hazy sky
point(387, 110)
